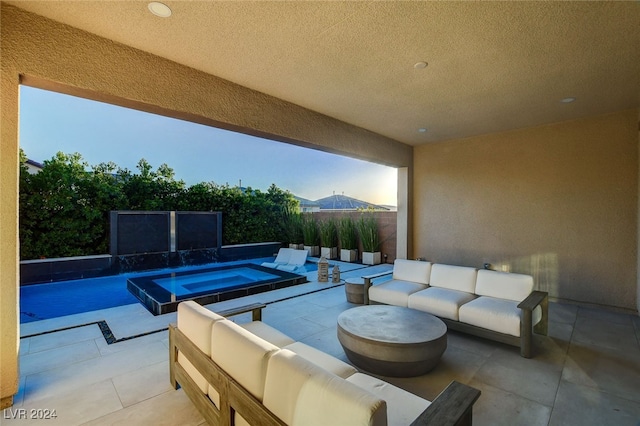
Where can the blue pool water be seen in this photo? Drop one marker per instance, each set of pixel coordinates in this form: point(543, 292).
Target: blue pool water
point(52, 300)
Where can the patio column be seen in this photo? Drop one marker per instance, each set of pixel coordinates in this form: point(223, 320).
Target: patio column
point(403, 220)
point(8, 233)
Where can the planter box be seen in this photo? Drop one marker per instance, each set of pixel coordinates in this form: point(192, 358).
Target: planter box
point(348, 255)
point(296, 246)
point(314, 251)
point(369, 258)
point(329, 252)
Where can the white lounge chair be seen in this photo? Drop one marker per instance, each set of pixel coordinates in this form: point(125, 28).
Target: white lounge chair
point(284, 254)
point(296, 262)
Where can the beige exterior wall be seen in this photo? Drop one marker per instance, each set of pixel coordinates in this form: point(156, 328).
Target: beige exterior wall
point(557, 201)
point(50, 55)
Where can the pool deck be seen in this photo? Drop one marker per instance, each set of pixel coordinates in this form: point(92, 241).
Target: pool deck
point(586, 372)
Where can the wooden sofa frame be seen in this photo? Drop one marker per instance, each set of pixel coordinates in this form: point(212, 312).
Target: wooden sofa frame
point(524, 342)
point(453, 406)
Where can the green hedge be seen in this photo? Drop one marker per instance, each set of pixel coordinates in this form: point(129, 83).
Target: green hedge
point(64, 209)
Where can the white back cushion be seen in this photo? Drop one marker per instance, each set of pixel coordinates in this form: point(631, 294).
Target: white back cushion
point(301, 393)
point(196, 322)
point(504, 285)
point(411, 270)
point(243, 355)
point(459, 278)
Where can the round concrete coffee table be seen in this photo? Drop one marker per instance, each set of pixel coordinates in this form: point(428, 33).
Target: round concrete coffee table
point(391, 340)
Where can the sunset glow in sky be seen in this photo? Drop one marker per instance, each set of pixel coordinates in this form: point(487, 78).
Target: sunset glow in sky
point(52, 122)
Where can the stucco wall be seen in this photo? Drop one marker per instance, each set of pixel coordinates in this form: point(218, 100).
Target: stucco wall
point(50, 55)
point(557, 201)
point(8, 238)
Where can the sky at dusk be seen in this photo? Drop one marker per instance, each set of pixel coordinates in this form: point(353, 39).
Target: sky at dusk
point(52, 122)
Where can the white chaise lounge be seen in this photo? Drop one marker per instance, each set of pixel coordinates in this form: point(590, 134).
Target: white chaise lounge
point(289, 260)
point(282, 258)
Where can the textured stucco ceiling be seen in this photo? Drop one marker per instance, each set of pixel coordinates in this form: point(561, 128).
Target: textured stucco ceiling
point(491, 66)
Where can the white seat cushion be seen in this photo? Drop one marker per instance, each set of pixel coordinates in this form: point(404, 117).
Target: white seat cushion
point(268, 333)
point(243, 355)
point(394, 292)
point(402, 407)
point(288, 268)
point(411, 270)
point(196, 321)
point(302, 393)
point(322, 359)
point(494, 314)
point(504, 285)
point(441, 302)
point(459, 278)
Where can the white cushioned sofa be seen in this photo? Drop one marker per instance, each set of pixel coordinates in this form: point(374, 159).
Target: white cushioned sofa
point(496, 305)
point(252, 374)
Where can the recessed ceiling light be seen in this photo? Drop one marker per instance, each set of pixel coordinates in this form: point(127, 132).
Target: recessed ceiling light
point(420, 65)
point(567, 100)
point(422, 130)
point(159, 9)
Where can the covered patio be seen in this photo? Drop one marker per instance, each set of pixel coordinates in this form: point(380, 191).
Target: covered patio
point(585, 372)
point(513, 127)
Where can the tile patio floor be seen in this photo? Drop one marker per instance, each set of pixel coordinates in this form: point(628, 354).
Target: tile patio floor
point(586, 372)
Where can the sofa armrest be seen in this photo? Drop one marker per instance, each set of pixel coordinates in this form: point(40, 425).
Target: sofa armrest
point(533, 300)
point(254, 308)
point(367, 283)
point(537, 298)
point(454, 406)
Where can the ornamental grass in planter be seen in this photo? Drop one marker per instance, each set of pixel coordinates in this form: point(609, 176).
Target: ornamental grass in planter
point(328, 239)
point(348, 236)
point(370, 239)
point(294, 231)
point(310, 235)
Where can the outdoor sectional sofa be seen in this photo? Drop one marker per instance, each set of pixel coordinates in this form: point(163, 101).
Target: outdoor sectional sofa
point(495, 305)
point(254, 374)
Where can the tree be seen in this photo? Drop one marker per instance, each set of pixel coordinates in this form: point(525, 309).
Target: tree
point(151, 190)
point(64, 209)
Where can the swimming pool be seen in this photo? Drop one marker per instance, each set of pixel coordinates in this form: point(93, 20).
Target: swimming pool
point(161, 293)
point(52, 300)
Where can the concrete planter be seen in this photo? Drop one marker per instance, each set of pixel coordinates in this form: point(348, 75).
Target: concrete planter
point(348, 255)
point(329, 252)
point(314, 251)
point(296, 246)
point(369, 258)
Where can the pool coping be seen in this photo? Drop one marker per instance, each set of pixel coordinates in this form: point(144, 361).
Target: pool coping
point(159, 301)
